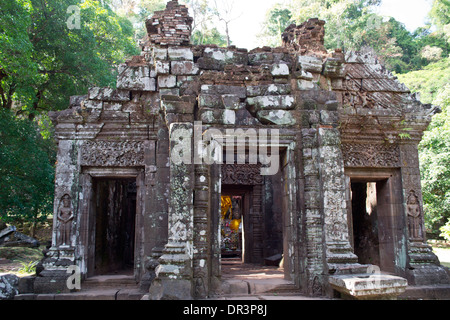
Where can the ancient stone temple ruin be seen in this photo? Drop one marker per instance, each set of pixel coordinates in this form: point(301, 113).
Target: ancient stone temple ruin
point(203, 152)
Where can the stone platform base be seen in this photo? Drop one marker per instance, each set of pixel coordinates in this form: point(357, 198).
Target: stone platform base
point(368, 286)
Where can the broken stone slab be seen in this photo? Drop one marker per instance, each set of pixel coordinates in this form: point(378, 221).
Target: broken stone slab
point(367, 286)
point(7, 231)
point(278, 117)
point(310, 64)
point(10, 237)
point(159, 53)
point(8, 286)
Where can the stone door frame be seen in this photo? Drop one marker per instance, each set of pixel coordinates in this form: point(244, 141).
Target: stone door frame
point(291, 212)
point(390, 211)
point(86, 247)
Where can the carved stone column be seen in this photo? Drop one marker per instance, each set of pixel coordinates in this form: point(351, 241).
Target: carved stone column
point(338, 250)
point(201, 206)
point(174, 274)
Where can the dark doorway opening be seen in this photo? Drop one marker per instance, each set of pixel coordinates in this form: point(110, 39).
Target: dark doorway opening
point(365, 222)
point(373, 222)
point(115, 216)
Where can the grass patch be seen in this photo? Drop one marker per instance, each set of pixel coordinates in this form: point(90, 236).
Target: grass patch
point(21, 254)
point(22, 260)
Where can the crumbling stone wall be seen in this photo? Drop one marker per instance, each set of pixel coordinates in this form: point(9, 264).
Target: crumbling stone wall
point(335, 112)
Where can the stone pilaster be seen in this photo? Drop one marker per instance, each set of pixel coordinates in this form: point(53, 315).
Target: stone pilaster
point(174, 274)
point(422, 265)
point(201, 206)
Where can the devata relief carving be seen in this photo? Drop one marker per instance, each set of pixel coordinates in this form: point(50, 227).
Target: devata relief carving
point(65, 217)
point(370, 155)
point(414, 217)
point(110, 153)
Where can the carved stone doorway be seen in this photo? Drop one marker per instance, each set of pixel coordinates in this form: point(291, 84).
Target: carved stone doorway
point(115, 215)
point(257, 222)
point(111, 225)
point(375, 218)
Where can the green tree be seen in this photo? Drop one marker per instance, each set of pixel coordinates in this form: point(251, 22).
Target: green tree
point(209, 36)
point(278, 18)
point(62, 53)
point(433, 83)
point(26, 171)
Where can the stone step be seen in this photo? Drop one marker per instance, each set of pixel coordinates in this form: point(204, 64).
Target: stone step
point(109, 281)
point(90, 294)
point(261, 286)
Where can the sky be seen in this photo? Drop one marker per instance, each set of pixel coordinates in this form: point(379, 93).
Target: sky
point(251, 14)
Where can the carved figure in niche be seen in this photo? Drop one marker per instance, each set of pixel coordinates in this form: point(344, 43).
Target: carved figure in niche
point(65, 217)
point(236, 208)
point(414, 216)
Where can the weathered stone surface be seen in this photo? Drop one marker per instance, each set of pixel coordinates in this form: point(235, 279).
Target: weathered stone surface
point(10, 237)
point(271, 102)
point(108, 94)
point(8, 286)
point(184, 68)
point(217, 58)
point(278, 117)
point(137, 78)
point(369, 286)
point(267, 90)
point(238, 91)
point(176, 53)
point(309, 64)
point(218, 116)
point(167, 81)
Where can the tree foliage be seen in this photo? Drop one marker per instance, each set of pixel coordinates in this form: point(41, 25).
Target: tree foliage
point(433, 82)
point(49, 51)
point(278, 18)
point(47, 56)
point(26, 171)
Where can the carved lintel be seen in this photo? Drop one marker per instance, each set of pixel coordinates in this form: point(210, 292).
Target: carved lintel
point(371, 155)
point(242, 174)
point(111, 153)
